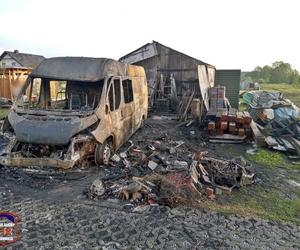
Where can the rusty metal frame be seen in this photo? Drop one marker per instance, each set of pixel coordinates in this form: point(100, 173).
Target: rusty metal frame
point(73, 156)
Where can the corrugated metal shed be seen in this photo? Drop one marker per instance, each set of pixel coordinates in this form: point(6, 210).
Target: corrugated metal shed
point(159, 59)
point(231, 80)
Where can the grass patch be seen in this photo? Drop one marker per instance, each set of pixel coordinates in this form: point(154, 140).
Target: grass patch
point(267, 205)
point(272, 159)
point(267, 158)
point(277, 208)
point(3, 112)
point(289, 91)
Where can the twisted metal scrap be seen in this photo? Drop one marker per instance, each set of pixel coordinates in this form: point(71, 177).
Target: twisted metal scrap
point(225, 173)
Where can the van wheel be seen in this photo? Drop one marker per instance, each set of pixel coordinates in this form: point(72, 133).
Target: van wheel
point(103, 153)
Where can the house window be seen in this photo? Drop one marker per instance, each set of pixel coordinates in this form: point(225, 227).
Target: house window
point(127, 90)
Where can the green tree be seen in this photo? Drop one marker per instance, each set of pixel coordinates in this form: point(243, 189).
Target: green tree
point(279, 72)
point(282, 72)
point(267, 73)
point(295, 78)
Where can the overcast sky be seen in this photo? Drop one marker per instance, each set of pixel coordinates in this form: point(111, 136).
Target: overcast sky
point(227, 34)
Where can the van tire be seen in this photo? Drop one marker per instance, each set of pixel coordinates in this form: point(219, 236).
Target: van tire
point(103, 152)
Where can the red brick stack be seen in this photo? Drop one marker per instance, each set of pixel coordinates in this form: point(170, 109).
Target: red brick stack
point(230, 122)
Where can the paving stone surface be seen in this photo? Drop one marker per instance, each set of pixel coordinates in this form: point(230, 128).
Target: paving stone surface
point(84, 224)
point(55, 214)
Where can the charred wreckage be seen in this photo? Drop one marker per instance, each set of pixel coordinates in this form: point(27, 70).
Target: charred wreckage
point(73, 109)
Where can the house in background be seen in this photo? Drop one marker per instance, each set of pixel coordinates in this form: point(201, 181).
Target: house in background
point(14, 69)
point(165, 65)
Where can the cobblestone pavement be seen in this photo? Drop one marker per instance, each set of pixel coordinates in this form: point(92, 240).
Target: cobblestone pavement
point(83, 224)
point(55, 214)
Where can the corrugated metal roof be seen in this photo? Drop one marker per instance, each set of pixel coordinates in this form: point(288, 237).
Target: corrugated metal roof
point(149, 50)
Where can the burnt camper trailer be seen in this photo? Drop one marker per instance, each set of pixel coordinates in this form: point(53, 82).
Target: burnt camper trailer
point(72, 109)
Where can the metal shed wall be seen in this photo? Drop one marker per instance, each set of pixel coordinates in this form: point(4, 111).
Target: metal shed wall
point(150, 66)
point(183, 67)
point(231, 80)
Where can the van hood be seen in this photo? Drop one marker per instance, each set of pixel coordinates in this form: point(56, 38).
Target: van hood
point(48, 130)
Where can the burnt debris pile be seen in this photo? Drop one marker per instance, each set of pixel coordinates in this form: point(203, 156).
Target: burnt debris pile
point(156, 168)
point(276, 120)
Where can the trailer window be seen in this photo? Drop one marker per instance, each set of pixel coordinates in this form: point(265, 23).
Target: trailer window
point(58, 94)
point(117, 93)
point(127, 90)
point(58, 90)
point(32, 95)
point(52, 94)
point(111, 97)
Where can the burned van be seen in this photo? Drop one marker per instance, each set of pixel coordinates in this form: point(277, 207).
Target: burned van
point(74, 109)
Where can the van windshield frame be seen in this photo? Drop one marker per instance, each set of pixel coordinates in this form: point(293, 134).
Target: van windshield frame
point(44, 94)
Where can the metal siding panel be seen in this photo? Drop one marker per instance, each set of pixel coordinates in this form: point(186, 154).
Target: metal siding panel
point(187, 76)
point(204, 84)
point(150, 69)
point(231, 80)
point(143, 53)
point(211, 76)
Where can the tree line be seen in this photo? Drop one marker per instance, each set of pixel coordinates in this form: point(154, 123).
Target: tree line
point(279, 72)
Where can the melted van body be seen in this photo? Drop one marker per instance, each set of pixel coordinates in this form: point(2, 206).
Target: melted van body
point(72, 109)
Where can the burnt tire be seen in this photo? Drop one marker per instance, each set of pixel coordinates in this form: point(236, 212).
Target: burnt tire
point(103, 152)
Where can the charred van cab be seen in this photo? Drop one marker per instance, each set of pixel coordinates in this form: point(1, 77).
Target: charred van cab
point(74, 109)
